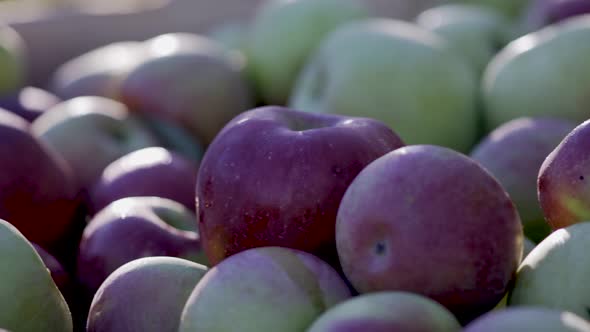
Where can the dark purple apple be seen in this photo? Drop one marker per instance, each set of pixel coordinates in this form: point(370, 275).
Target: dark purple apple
point(541, 13)
point(564, 180)
point(132, 228)
point(37, 190)
point(275, 177)
point(146, 294)
point(151, 171)
point(514, 153)
point(29, 102)
point(429, 220)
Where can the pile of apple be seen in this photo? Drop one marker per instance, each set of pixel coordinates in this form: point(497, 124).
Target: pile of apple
point(318, 169)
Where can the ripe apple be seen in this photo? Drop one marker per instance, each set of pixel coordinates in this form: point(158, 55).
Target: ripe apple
point(29, 102)
point(552, 64)
point(430, 209)
point(395, 72)
point(563, 180)
point(37, 191)
point(540, 13)
point(275, 176)
point(98, 72)
point(385, 312)
point(31, 301)
point(146, 294)
point(538, 319)
point(91, 132)
point(202, 90)
point(12, 60)
point(476, 32)
point(514, 153)
point(132, 228)
point(263, 289)
point(274, 63)
point(151, 171)
point(562, 254)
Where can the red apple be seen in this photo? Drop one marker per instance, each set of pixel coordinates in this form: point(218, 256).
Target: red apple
point(37, 191)
point(429, 220)
point(151, 171)
point(275, 177)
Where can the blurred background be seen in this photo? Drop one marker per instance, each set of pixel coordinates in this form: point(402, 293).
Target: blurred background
point(57, 30)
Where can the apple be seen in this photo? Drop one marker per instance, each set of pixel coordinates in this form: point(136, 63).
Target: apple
point(430, 209)
point(12, 60)
point(541, 13)
point(398, 73)
point(563, 180)
point(29, 102)
point(200, 89)
point(510, 8)
point(91, 132)
point(132, 228)
point(37, 191)
point(98, 72)
point(151, 171)
point(562, 255)
point(385, 312)
point(263, 289)
point(542, 74)
point(537, 319)
point(514, 153)
point(275, 177)
point(146, 294)
point(274, 63)
point(30, 299)
point(475, 32)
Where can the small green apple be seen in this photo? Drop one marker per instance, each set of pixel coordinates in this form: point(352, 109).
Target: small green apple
point(474, 31)
point(31, 300)
point(544, 73)
point(282, 36)
point(398, 73)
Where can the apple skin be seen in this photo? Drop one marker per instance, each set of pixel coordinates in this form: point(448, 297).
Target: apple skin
point(98, 72)
point(12, 60)
point(153, 171)
point(392, 71)
point(200, 90)
point(474, 31)
point(563, 254)
point(274, 64)
point(562, 183)
point(263, 289)
point(31, 301)
point(514, 153)
point(132, 228)
point(431, 209)
point(518, 319)
point(29, 102)
point(541, 13)
point(90, 132)
point(146, 294)
point(385, 312)
point(37, 190)
point(558, 90)
point(275, 177)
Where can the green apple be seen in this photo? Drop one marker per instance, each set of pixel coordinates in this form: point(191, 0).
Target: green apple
point(282, 36)
point(398, 73)
point(12, 60)
point(31, 300)
point(510, 8)
point(555, 273)
point(474, 31)
point(527, 318)
point(90, 133)
point(385, 312)
point(544, 73)
point(146, 294)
